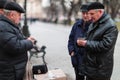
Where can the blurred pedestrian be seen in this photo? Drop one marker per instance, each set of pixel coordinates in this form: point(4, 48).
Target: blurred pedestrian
point(99, 44)
point(13, 45)
point(78, 31)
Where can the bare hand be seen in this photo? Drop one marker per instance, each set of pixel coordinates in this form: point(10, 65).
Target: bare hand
point(72, 54)
point(31, 39)
point(81, 42)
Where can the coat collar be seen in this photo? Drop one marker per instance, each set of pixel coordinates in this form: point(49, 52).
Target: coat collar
point(104, 18)
point(3, 18)
point(81, 22)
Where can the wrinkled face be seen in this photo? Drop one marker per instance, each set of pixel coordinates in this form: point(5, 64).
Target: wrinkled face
point(95, 14)
point(86, 16)
point(15, 17)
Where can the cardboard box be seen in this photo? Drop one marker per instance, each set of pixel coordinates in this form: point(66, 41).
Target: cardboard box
point(56, 74)
point(41, 77)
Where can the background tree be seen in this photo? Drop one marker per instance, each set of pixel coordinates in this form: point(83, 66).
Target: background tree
point(114, 7)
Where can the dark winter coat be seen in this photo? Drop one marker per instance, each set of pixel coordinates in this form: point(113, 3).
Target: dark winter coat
point(13, 51)
point(79, 30)
point(101, 39)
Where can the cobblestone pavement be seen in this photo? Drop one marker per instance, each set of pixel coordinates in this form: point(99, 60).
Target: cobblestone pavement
point(55, 37)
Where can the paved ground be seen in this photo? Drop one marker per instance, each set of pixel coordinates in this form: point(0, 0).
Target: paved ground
point(55, 37)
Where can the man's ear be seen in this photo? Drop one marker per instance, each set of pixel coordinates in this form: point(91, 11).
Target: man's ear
point(100, 11)
point(12, 14)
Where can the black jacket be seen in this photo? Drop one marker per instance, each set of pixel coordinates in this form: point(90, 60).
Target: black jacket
point(101, 39)
point(13, 51)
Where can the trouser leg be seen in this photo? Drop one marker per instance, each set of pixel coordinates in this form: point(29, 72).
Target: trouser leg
point(78, 77)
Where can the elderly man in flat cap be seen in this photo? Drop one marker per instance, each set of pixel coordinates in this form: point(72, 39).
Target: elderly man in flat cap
point(13, 45)
point(78, 31)
point(99, 44)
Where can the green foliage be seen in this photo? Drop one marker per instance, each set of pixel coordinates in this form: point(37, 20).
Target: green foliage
point(118, 25)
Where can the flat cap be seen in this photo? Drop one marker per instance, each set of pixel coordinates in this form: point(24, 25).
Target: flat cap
point(95, 5)
point(84, 7)
point(2, 3)
point(14, 6)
